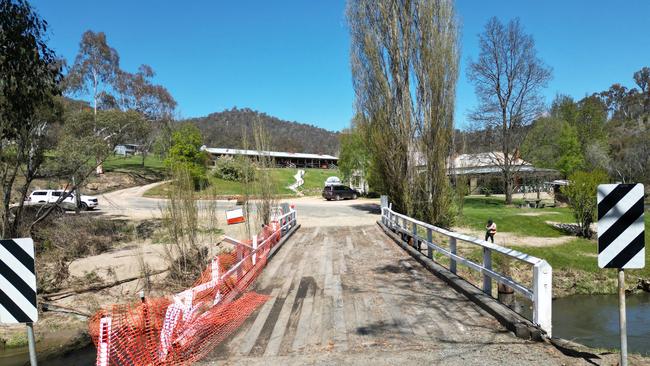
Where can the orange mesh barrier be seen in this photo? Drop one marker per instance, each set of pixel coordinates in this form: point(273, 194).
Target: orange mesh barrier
point(186, 327)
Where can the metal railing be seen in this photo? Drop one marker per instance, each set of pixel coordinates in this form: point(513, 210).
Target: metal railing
point(541, 292)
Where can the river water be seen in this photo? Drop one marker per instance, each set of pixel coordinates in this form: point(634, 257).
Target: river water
point(593, 321)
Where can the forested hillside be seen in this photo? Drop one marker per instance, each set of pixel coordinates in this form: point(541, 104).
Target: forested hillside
point(224, 129)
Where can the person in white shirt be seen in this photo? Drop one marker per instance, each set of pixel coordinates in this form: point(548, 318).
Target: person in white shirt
point(490, 230)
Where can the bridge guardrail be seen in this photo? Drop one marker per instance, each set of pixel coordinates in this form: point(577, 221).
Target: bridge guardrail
point(540, 294)
point(185, 327)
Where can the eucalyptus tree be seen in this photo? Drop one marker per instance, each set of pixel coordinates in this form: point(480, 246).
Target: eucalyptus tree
point(404, 57)
point(29, 76)
point(508, 77)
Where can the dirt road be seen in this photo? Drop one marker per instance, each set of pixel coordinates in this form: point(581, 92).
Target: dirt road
point(350, 296)
point(313, 211)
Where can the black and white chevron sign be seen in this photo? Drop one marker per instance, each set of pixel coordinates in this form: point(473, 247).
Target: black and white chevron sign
point(621, 241)
point(17, 282)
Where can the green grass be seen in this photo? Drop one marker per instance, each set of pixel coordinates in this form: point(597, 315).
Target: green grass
point(315, 180)
point(281, 178)
point(478, 210)
point(152, 164)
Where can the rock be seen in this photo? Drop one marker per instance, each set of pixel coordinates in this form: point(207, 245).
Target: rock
point(643, 285)
point(92, 186)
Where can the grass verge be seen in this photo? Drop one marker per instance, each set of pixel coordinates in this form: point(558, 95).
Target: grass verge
point(281, 178)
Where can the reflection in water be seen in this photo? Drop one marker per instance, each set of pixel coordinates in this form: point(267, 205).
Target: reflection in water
point(593, 320)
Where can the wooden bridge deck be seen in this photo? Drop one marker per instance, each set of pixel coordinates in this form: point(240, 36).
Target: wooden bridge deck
point(349, 295)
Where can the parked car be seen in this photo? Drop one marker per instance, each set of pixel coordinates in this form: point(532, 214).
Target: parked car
point(53, 195)
point(339, 192)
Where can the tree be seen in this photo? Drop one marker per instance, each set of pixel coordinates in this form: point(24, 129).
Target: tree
point(94, 71)
point(29, 76)
point(581, 193)
point(570, 154)
point(354, 157)
point(405, 66)
point(95, 67)
point(185, 152)
point(508, 78)
point(553, 143)
point(138, 92)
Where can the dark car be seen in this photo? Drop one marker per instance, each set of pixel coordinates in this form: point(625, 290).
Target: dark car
point(339, 192)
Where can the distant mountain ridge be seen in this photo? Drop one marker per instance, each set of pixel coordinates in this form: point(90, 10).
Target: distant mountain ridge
point(224, 129)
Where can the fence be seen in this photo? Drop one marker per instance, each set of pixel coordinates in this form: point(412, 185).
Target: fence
point(540, 294)
point(186, 327)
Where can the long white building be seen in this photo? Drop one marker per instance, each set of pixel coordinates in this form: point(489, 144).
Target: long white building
point(282, 159)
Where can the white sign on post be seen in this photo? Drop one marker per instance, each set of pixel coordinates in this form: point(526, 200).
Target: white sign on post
point(621, 239)
point(621, 230)
point(17, 282)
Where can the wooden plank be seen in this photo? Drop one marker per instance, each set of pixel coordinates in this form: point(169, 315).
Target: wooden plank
point(273, 347)
point(254, 331)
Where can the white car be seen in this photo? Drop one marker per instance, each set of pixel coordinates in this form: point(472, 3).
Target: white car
point(52, 195)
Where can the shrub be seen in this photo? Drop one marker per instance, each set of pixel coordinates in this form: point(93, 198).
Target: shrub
point(235, 170)
point(581, 193)
point(186, 154)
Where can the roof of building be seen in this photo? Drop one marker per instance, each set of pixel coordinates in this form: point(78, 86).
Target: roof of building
point(275, 154)
point(491, 162)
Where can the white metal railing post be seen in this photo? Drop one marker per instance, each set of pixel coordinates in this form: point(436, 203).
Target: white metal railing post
point(487, 264)
point(541, 291)
point(543, 296)
point(452, 249)
point(255, 247)
point(430, 241)
point(416, 242)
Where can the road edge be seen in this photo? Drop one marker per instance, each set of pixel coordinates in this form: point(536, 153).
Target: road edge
point(280, 243)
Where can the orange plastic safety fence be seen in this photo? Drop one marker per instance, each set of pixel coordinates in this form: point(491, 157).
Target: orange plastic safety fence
point(186, 327)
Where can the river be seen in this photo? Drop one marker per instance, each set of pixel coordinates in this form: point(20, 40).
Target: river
point(593, 321)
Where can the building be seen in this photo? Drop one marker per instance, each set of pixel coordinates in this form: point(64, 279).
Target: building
point(126, 149)
point(281, 159)
point(484, 174)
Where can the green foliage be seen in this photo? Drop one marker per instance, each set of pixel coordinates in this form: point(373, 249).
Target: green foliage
point(185, 153)
point(354, 155)
point(570, 154)
point(234, 169)
point(88, 139)
point(29, 77)
point(553, 143)
point(581, 193)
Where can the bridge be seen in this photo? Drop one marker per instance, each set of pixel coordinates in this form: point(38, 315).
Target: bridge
point(352, 295)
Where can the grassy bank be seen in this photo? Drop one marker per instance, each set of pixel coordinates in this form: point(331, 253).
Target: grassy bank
point(511, 219)
point(575, 266)
point(152, 164)
point(574, 262)
point(281, 178)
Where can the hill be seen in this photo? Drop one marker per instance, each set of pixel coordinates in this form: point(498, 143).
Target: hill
point(224, 129)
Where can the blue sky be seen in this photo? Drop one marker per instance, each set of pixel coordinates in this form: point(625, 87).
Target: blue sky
point(290, 58)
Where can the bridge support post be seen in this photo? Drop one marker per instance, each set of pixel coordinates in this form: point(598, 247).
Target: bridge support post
point(543, 296)
point(452, 249)
point(430, 240)
point(487, 264)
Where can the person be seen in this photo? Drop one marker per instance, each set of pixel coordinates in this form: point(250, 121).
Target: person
point(490, 230)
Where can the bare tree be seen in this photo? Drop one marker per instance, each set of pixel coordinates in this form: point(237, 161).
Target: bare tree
point(508, 78)
point(404, 64)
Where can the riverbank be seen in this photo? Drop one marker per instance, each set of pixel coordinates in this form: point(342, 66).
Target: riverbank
point(532, 231)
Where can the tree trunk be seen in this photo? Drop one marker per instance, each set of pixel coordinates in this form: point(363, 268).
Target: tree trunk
point(144, 156)
point(507, 186)
point(100, 167)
